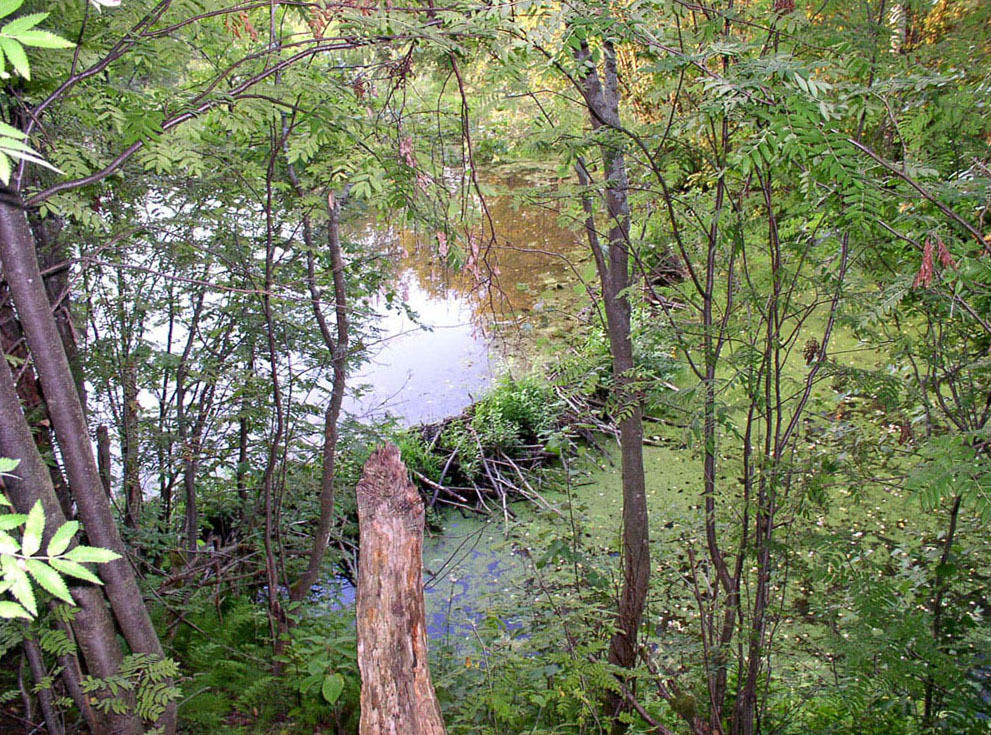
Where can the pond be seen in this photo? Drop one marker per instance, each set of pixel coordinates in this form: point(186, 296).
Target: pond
point(470, 573)
point(434, 366)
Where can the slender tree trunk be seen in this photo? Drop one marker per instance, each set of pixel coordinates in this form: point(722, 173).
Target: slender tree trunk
point(38, 672)
point(397, 696)
point(932, 696)
point(243, 438)
point(29, 391)
point(72, 675)
point(53, 259)
point(103, 461)
point(130, 457)
point(339, 351)
point(602, 99)
point(65, 407)
point(273, 567)
point(187, 443)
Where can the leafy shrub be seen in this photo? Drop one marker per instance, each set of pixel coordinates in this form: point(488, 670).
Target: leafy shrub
point(588, 370)
point(416, 454)
point(513, 417)
point(233, 689)
point(515, 412)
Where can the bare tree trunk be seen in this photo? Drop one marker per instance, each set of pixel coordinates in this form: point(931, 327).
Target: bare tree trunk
point(339, 351)
point(273, 563)
point(190, 453)
point(38, 672)
point(397, 696)
point(103, 463)
point(613, 266)
point(53, 259)
point(29, 391)
point(243, 438)
point(941, 585)
point(129, 447)
point(66, 410)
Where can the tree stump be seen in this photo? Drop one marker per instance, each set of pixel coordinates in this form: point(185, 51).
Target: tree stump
point(397, 696)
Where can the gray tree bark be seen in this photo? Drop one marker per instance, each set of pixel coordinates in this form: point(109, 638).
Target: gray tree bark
point(27, 288)
point(92, 625)
point(613, 264)
point(339, 357)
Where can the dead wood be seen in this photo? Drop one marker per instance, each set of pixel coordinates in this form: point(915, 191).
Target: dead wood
point(397, 695)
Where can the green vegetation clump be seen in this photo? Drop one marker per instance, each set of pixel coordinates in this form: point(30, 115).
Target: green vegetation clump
point(516, 418)
point(515, 414)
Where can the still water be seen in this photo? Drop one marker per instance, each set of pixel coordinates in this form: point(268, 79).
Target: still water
point(472, 580)
point(434, 366)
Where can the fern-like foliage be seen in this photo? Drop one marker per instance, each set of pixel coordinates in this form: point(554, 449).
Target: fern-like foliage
point(144, 682)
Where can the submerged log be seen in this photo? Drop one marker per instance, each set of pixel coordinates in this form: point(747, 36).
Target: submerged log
point(397, 696)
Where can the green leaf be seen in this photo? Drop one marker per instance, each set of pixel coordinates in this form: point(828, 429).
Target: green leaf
point(13, 147)
point(63, 536)
point(20, 585)
point(11, 520)
point(93, 554)
point(6, 463)
point(12, 610)
point(33, 157)
point(9, 6)
point(33, 530)
point(24, 23)
point(43, 39)
point(49, 579)
point(333, 685)
point(74, 570)
point(18, 59)
point(8, 544)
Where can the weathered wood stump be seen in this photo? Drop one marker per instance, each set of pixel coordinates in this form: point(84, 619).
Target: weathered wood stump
point(397, 696)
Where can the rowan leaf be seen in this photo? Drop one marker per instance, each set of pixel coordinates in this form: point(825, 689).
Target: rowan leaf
point(43, 39)
point(9, 6)
point(20, 585)
point(74, 570)
point(24, 23)
point(12, 610)
point(49, 579)
point(8, 544)
point(11, 520)
point(34, 527)
point(62, 538)
point(92, 554)
point(15, 54)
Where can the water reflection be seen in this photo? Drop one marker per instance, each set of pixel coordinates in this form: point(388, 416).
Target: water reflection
point(421, 372)
point(433, 367)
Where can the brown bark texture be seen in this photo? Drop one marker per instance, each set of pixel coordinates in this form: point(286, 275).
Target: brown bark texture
point(338, 349)
point(129, 449)
point(397, 695)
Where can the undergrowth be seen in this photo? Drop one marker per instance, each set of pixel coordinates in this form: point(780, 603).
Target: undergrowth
point(232, 689)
